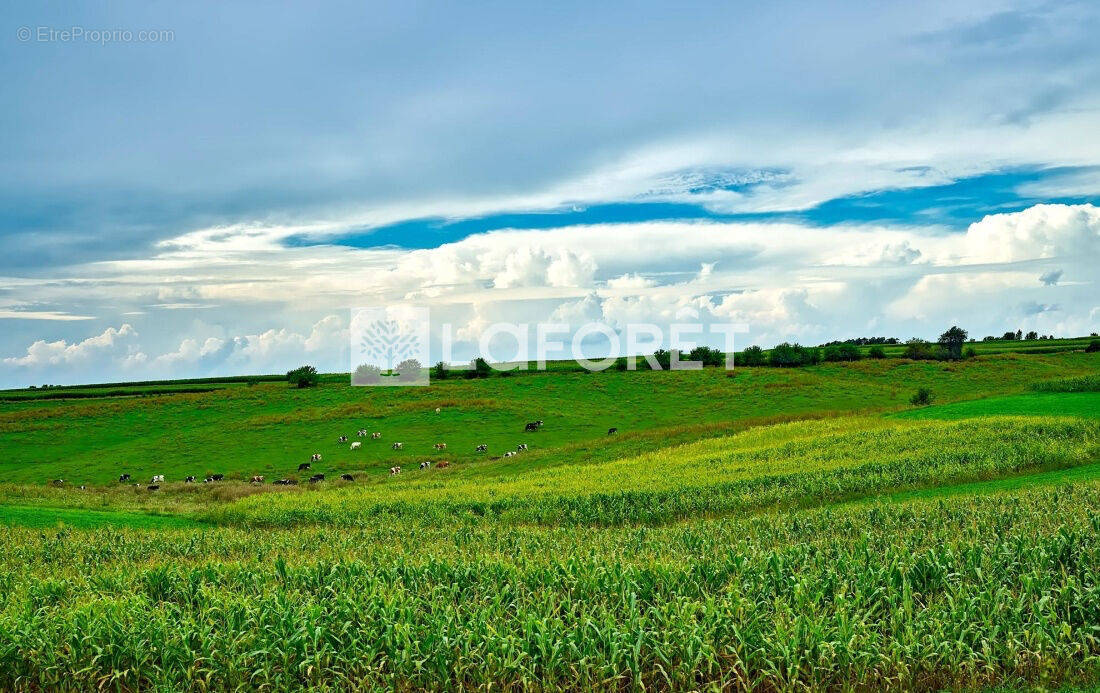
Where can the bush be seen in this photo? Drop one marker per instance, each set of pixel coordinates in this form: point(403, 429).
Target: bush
point(792, 355)
point(753, 356)
point(920, 350)
point(707, 356)
point(439, 372)
point(480, 368)
point(306, 376)
point(408, 371)
point(876, 352)
point(1093, 347)
point(922, 398)
point(366, 374)
point(622, 363)
point(841, 352)
point(969, 352)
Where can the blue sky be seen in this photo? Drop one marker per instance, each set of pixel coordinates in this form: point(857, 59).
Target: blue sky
point(217, 199)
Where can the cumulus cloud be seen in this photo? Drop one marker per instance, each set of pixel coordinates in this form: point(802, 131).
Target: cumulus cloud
point(1040, 232)
point(112, 343)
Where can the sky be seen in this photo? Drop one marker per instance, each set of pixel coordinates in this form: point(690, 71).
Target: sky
point(192, 189)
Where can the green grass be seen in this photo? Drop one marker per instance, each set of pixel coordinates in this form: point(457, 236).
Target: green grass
point(268, 429)
point(1085, 404)
point(43, 517)
point(773, 530)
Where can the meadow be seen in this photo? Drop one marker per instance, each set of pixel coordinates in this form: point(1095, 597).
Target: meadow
point(769, 529)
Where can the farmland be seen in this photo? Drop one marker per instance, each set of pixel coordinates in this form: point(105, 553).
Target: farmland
point(769, 529)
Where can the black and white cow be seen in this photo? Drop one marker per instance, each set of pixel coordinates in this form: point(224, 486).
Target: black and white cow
point(123, 478)
point(481, 448)
point(303, 466)
point(347, 477)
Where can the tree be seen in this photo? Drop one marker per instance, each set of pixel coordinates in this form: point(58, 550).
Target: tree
point(366, 374)
point(1032, 335)
point(752, 356)
point(876, 352)
point(440, 371)
point(480, 368)
point(707, 356)
point(1019, 334)
point(792, 355)
point(408, 371)
point(842, 352)
point(918, 350)
point(952, 341)
point(306, 376)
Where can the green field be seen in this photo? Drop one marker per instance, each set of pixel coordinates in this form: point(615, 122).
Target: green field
point(769, 529)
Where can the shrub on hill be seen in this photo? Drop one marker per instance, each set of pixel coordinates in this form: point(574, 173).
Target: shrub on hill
point(842, 352)
point(707, 356)
point(923, 397)
point(366, 374)
point(876, 352)
point(787, 355)
point(306, 376)
point(478, 369)
point(920, 350)
point(439, 372)
point(752, 356)
point(1093, 347)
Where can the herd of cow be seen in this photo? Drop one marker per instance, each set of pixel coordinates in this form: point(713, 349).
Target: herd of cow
point(157, 480)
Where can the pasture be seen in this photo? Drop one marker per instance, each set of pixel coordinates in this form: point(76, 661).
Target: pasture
point(773, 529)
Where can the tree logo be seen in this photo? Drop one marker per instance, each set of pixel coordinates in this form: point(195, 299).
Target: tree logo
point(389, 346)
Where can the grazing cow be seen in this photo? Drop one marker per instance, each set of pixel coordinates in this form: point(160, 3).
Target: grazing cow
point(315, 457)
point(398, 446)
point(123, 478)
point(83, 487)
point(284, 482)
point(510, 453)
point(342, 439)
point(257, 479)
point(303, 466)
point(158, 479)
point(612, 431)
point(361, 432)
point(522, 447)
point(531, 427)
point(375, 436)
point(316, 477)
point(154, 487)
point(347, 477)
point(425, 464)
point(395, 470)
point(481, 448)
point(189, 480)
point(442, 464)
point(440, 446)
point(356, 445)
point(207, 480)
point(217, 477)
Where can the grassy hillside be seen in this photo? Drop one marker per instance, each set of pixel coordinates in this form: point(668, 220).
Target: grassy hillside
point(268, 428)
point(773, 530)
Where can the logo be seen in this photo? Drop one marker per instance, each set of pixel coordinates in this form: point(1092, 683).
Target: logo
point(390, 346)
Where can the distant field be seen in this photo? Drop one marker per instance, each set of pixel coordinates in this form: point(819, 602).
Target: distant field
point(268, 428)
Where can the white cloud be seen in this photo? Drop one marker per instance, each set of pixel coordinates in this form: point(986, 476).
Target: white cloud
point(111, 344)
